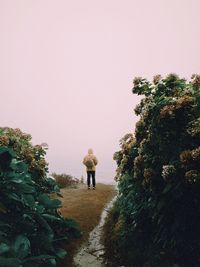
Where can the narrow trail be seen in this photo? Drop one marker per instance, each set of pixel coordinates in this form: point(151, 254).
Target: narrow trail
point(88, 208)
point(91, 252)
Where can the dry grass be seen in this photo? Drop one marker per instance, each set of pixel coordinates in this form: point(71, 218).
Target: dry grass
point(85, 206)
point(65, 180)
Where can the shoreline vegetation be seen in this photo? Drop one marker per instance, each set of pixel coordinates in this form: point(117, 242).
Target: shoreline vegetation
point(84, 206)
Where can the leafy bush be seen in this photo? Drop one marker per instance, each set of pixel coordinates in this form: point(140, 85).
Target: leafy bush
point(111, 232)
point(33, 156)
point(159, 177)
point(65, 180)
point(32, 231)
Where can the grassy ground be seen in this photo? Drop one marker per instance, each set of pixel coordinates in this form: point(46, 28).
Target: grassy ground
point(85, 206)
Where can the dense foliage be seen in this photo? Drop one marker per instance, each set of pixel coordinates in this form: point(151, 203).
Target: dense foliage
point(33, 156)
point(31, 228)
point(157, 216)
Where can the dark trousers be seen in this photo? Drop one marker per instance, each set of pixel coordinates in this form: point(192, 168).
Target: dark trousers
point(89, 175)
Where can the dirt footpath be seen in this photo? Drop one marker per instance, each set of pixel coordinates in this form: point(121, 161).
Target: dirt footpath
point(85, 206)
point(92, 252)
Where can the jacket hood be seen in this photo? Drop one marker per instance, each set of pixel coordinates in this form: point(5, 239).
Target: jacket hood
point(90, 151)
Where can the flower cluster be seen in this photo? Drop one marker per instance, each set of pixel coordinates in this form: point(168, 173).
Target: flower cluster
point(149, 179)
point(186, 157)
point(192, 176)
point(164, 175)
point(21, 143)
point(122, 156)
point(172, 77)
point(138, 162)
point(184, 101)
point(194, 128)
point(137, 81)
point(195, 80)
point(189, 157)
point(157, 78)
point(149, 174)
point(167, 112)
point(196, 154)
point(178, 103)
point(4, 140)
point(168, 171)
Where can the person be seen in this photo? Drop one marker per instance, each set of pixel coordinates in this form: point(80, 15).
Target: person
point(90, 161)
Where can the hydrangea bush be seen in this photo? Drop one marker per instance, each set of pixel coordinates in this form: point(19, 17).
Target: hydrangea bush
point(33, 156)
point(158, 176)
point(32, 231)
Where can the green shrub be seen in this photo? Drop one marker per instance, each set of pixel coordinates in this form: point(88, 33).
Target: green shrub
point(33, 156)
point(111, 235)
point(32, 231)
point(159, 176)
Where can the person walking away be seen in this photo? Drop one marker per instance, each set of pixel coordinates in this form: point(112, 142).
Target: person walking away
point(90, 161)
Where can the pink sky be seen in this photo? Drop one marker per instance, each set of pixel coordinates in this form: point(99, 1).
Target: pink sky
point(67, 69)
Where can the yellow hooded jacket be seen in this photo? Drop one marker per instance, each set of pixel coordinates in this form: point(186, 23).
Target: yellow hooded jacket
point(91, 156)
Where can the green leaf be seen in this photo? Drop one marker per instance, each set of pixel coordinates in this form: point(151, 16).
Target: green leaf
point(5, 157)
point(52, 263)
point(61, 253)
point(160, 205)
point(48, 202)
point(10, 262)
point(4, 248)
point(2, 234)
point(4, 149)
point(39, 258)
point(40, 208)
point(25, 188)
point(21, 246)
point(20, 166)
point(45, 225)
point(167, 188)
point(14, 196)
point(51, 217)
point(29, 200)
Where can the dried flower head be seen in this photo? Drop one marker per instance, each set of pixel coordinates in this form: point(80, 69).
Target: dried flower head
point(195, 80)
point(156, 79)
point(124, 160)
point(186, 157)
point(149, 174)
point(168, 112)
point(138, 162)
point(183, 101)
point(194, 128)
point(192, 176)
point(172, 77)
point(44, 145)
point(168, 171)
point(137, 81)
point(196, 154)
point(4, 140)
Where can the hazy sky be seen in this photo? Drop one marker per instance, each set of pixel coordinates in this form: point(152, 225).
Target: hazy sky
point(66, 69)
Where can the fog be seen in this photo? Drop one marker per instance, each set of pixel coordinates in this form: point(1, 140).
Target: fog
point(67, 69)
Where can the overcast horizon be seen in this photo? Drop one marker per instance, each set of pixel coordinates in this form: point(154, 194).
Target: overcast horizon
point(67, 69)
